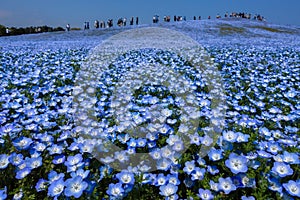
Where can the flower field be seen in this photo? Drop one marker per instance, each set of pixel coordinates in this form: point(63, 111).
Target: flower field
point(44, 155)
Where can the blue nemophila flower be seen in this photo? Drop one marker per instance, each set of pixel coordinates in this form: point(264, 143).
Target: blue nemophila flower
point(73, 162)
point(237, 181)
point(178, 146)
point(18, 195)
point(226, 146)
point(126, 177)
point(39, 147)
point(107, 160)
point(34, 153)
point(213, 170)
point(161, 179)
point(205, 194)
point(123, 138)
point(152, 136)
point(115, 190)
point(45, 138)
point(3, 193)
point(131, 142)
point(206, 140)
point(141, 142)
point(53, 176)
point(264, 131)
point(292, 187)
point(75, 186)
point(198, 173)
point(264, 154)
point(277, 133)
point(132, 151)
point(86, 147)
point(74, 146)
point(248, 198)
point(7, 128)
point(4, 161)
point(172, 197)
point(230, 136)
point(165, 129)
point(290, 158)
point(173, 139)
point(246, 181)
point(281, 169)
point(80, 172)
point(173, 178)
point(188, 182)
point(242, 137)
point(33, 163)
point(275, 184)
point(215, 155)
point(226, 185)
point(201, 161)
point(189, 167)
point(23, 173)
point(155, 154)
point(164, 164)
point(56, 188)
point(59, 159)
point(290, 94)
point(91, 186)
point(22, 143)
point(236, 163)
point(41, 185)
point(273, 147)
point(121, 156)
point(105, 171)
point(166, 152)
point(195, 139)
point(55, 149)
point(168, 190)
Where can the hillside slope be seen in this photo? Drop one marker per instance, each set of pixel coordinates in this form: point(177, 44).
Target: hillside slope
point(206, 32)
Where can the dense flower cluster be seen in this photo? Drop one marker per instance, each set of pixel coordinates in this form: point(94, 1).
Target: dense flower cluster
point(256, 156)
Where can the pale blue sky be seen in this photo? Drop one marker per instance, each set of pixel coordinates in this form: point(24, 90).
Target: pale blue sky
point(21, 13)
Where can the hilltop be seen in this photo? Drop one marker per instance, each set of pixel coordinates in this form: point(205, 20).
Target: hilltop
point(206, 32)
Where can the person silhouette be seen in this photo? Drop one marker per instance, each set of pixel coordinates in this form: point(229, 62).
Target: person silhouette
point(131, 21)
point(68, 27)
point(137, 21)
point(96, 24)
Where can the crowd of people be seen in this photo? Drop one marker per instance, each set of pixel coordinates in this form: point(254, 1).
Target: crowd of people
point(226, 15)
point(237, 15)
point(167, 18)
point(122, 21)
point(9, 31)
point(109, 23)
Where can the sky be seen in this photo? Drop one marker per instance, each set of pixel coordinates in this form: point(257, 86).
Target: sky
point(54, 13)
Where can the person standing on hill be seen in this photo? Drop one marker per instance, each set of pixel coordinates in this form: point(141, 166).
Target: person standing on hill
point(131, 21)
point(68, 27)
point(137, 21)
point(96, 24)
